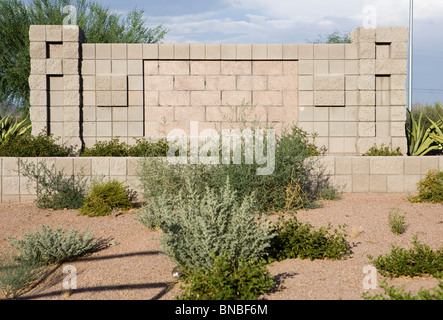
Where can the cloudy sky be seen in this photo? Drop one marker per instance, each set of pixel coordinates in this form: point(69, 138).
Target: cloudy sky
point(301, 21)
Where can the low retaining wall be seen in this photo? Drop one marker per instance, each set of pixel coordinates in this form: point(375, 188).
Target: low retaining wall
point(352, 174)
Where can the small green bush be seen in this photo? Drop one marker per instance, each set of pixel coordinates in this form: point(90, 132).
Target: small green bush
point(115, 148)
point(383, 151)
point(297, 240)
point(417, 261)
point(430, 189)
point(27, 145)
point(195, 227)
point(393, 293)
point(47, 246)
point(104, 197)
point(54, 189)
point(16, 278)
point(397, 222)
point(229, 279)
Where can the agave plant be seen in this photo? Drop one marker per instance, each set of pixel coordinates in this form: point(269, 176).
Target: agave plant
point(422, 141)
point(10, 128)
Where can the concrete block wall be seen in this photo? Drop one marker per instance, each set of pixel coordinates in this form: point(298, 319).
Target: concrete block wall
point(350, 174)
point(351, 95)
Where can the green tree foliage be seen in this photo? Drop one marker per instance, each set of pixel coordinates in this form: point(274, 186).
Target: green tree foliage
point(334, 37)
point(100, 24)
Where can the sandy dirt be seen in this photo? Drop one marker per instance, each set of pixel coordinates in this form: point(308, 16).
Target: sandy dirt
point(133, 267)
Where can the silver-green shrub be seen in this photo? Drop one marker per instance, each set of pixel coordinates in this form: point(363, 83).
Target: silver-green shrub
point(197, 228)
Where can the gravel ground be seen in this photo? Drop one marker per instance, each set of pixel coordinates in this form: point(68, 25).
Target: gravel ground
point(134, 268)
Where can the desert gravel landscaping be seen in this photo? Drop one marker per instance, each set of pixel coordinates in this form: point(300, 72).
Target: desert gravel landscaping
point(131, 266)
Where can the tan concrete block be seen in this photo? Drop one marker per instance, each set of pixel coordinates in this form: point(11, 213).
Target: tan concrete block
point(337, 51)
point(135, 51)
point(337, 67)
point(151, 98)
point(399, 66)
point(305, 51)
point(71, 66)
point(181, 51)
point(366, 114)
point(398, 82)
point(398, 129)
point(103, 51)
point(351, 82)
point(395, 184)
point(205, 98)
point(190, 114)
point(268, 98)
point(71, 83)
point(135, 83)
point(135, 113)
point(282, 114)
point(344, 183)
point(71, 98)
point(290, 68)
point(119, 83)
point(259, 51)
point(197, 51)
point(174, 98)
point(398, 113)
point(37, 82)
point(88, 51)
point(253, 114)
point(383, 98)
point(352, 67)
point(351, 113)
point(119, 129)
point(213, 51)
point(399, 50)
point(223, 83)
point(351, 51)
point(120, 114)
point(38, 66)
point(275, 51)
point(150, 51)
point(366, 50)
point(71, 114)
point(229, 51)
point(352, 98)
point(71, 129)
point(321, 51)
point(337, 114)
point(56, 114)
point(366, 98)
point(412, 165)
point(54, 33)
point(103, 82)
point(329, 98)
point(72, 33)
point(321, 67)
point(337, 129)
point(321, 128)
point(383, 83)
point(290, 52)
point(336, 145)
point(309, 127)
point(366, 129)
point(367, 66)
point(154, 113)
point(174, 68)
point(151, 68)
point(38, 98)
point(343, 166)
point(225, 114)
point(382, 114)
point(321, 114)
point(104, 129)
point(350, 129)
point(410, 183)
point(366, 82)
point(306, 67)
point(267, 68)
point(289, 83)
point(54, 66)
point(37, 50)
point(306, 83)
point(11, 186)
point(119, 67)
point(103, 98)
point(290, 99)
point(329, 83)
point(88, 67)
point(398, 98)
point(440, 164)
point(379, 165)
point(38, 113)
point(71, 50)
point(39, 127)
point(189, 83)
point(103, 67)
point(205, 67)
point(236, 98)
point(56, 98)
point(119, 98)
point(159, 83)
point(360, 183)
point(382, 51)
point(135, 67)
point(166, 51)
point(306, 98)
point(236, 68)
point(378, 183)
point(244, 51)
point(37, 33)
point(360, 165)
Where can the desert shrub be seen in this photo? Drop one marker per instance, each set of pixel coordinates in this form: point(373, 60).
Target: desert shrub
point(430, 188)
point(115, 148)
point(104, 197)
point(15, 277)
point(195, 227)
point(396, 222)
point(228, 279)
point(300, 240)
point(417, 261)
point(47, 246)
point(293, 161)
point(27, 145)
point(393, 293)
point(383, 151)
point(54, 189)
